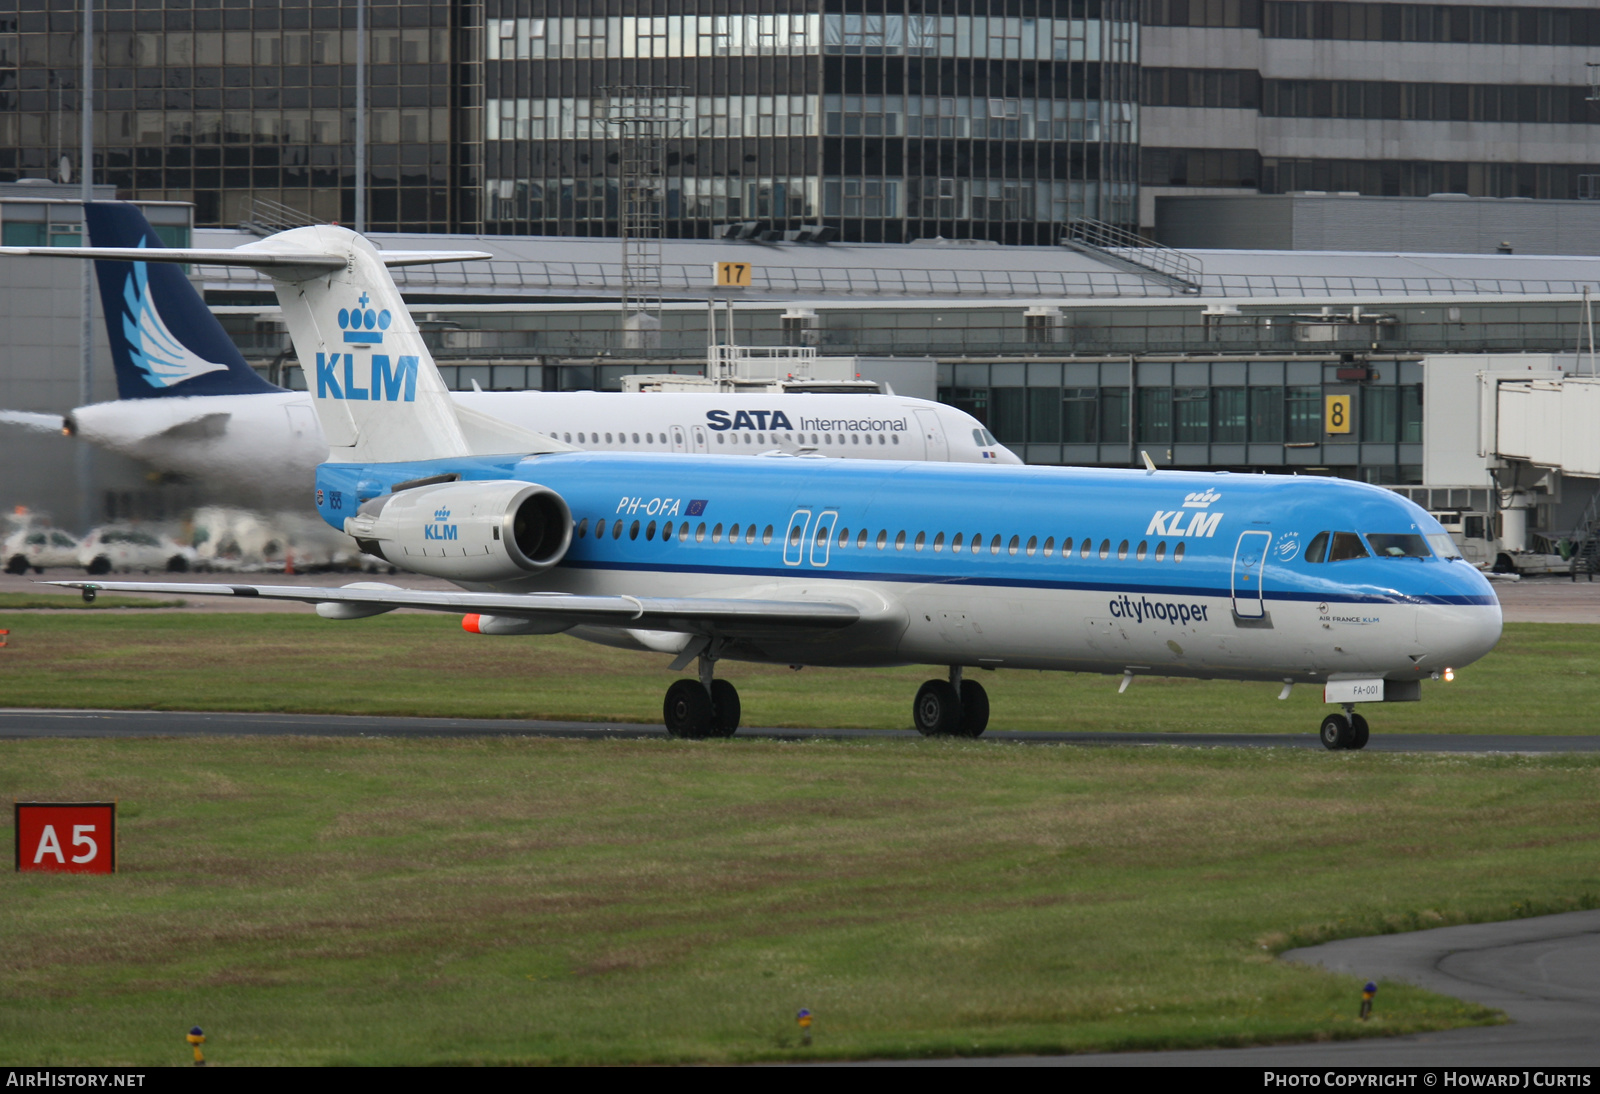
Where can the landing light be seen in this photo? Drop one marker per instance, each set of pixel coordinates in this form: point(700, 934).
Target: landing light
point(1447, 675)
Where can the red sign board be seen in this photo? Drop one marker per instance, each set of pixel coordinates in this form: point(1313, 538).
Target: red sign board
point(66, 837)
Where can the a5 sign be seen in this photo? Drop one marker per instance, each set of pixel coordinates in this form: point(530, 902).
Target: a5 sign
point(66, 837)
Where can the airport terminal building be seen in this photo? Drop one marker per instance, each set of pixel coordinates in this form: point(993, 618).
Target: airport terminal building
point(883, 122)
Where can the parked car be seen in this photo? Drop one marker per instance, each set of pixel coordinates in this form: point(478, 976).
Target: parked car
point(107, 549)
point(38, 548)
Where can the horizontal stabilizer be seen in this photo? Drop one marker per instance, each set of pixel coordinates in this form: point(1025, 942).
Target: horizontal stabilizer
point(210, 256)
point(27, 419)
point(242, 256)
point(487, 435)
point(692, 615)
point(425, 258)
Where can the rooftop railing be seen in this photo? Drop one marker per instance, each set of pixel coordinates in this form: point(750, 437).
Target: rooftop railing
point(604, 279)
point(562, 338)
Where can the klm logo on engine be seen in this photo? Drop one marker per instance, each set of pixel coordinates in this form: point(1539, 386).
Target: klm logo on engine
point(338, 377)
point(1201, 524)
point(439, 529)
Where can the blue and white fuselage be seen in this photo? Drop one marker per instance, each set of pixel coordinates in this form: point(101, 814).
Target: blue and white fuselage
point(1029, 567)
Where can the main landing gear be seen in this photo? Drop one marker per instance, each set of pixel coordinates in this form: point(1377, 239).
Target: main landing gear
point(701, 708)
point(957, 708)
point(1347, 730)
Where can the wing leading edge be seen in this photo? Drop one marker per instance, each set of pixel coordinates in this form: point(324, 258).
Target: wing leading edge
point(689, 615)
point(251, 255)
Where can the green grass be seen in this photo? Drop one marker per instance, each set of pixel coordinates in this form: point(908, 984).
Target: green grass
point(1543, 678)
point(547, 901)
point(37, 601)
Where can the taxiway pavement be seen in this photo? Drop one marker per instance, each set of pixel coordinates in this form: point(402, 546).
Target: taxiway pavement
point(1543, 972)
point(26, 723)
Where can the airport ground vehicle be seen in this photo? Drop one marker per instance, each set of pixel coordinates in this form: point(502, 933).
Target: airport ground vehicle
point(120, 548)
point(38, 549)
point(799, 560)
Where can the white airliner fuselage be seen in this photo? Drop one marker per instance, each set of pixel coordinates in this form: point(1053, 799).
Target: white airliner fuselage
point(270, 444)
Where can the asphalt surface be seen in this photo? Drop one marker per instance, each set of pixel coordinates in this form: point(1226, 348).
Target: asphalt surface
point(20, 723)
point(1544, 973)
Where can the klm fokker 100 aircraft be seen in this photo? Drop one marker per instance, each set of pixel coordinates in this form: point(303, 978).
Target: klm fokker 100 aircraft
point(804, 561)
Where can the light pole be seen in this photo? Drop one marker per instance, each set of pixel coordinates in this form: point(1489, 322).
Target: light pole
point(85, 454)
point(361, 116)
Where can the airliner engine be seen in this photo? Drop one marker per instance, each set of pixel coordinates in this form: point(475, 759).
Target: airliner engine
point(466, 531)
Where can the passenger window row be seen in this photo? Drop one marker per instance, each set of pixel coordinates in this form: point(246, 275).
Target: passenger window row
point(864, 537)
point(1015, 546)
point(650, 438)
point(619, 528)
point(621, 438)
point(827, 438)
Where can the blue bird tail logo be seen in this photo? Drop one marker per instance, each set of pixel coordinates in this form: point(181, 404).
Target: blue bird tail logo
point(165, 343)
point(152, 348)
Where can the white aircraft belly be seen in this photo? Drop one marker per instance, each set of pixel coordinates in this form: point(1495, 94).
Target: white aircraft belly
point(1052, 629)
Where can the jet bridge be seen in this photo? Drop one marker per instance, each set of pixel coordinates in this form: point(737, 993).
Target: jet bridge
point(1548, 427)
point(1548, 423)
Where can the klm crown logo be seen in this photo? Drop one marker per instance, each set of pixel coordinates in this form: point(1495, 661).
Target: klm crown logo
point(363, 325)
point(1201, 500)
point(442, 513)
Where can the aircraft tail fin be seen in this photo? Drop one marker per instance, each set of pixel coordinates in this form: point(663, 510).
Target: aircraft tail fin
point(164, 340)
point(371, 378)
point(375, 386)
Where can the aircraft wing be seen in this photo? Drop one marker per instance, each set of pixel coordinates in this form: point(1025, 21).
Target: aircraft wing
point(202, 255)
point(242, 256)
point(691, 615)
point(27, 419)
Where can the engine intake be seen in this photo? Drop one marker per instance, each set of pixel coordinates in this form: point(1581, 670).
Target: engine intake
point(467, 531)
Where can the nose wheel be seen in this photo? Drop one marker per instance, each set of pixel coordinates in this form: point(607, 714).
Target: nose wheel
point(697, 709)
point(1344, 731)
point(953, 708)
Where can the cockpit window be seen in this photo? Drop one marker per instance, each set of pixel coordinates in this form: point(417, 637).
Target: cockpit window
point(1443, 545)
point(1318, 549)
point(1346, 545)
point(1398, 545)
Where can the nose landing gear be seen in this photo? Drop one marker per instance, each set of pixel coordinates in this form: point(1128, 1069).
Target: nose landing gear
point(957, 708)
point(1342, 731)
point(696, 709)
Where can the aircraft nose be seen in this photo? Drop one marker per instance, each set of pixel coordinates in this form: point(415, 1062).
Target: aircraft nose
point(1461, 626)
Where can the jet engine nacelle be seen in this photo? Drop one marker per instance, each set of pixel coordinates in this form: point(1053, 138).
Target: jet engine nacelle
point(466, 531)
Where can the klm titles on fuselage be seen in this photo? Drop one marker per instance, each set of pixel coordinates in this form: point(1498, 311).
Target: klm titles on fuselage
point(1201, 524)
point(386, 380)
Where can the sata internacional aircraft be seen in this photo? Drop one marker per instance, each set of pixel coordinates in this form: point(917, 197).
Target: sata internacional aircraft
point(189, 404)
point(806, 561)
